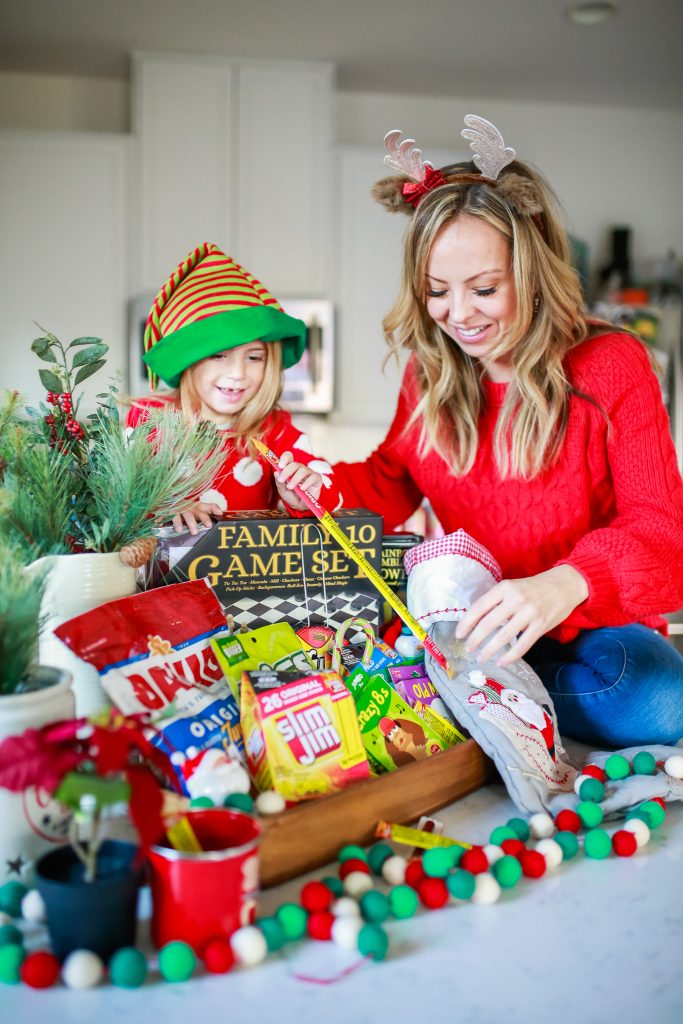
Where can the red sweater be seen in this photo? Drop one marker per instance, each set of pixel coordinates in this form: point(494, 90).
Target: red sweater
point(245, 481)
point(611, 506)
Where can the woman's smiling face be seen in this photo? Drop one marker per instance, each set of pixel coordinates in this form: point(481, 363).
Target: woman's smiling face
point(470, 291)
point(225, 382)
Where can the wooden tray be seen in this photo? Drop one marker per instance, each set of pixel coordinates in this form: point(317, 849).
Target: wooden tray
point(312, 833)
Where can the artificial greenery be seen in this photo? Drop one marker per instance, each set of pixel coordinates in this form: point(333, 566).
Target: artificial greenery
point(73, 484)
point(21, 593)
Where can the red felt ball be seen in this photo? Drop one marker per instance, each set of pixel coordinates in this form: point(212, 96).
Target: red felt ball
point(218, 956)
point(533, 864)
point(415, 873)
point(354, 864)
point(319, 925)
point(475, 861)
point(658, 800)
point(594, 772)
point(514, 847)
point(40, 969)
point(624, 843)
point(568, 821)
point(316, 896)
point(433, 892)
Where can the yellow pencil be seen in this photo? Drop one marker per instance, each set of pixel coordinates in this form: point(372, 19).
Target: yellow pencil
point(335, 530)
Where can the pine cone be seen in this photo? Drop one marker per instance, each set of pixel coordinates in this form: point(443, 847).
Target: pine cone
point(138, 552)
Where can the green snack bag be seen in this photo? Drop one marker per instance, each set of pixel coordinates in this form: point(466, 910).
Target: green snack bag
point(268, 647)
point(392, 733)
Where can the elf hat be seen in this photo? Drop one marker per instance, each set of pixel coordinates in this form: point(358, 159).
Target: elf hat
point(207, 305)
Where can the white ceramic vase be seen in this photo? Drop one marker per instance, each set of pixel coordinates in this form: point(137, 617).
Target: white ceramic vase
point(76, 584)
point(32, 823)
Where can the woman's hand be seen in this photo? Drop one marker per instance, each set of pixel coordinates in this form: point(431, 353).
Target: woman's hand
point(526, 609)
point(293, 474)
point(199, 513)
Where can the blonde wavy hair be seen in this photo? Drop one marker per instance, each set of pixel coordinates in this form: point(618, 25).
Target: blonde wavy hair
point(549, 320)
point(251, 419)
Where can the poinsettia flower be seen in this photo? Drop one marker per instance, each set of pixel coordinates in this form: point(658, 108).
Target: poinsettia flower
point(32, 760)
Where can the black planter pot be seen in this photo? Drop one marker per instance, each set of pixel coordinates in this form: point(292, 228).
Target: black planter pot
point(100, 916)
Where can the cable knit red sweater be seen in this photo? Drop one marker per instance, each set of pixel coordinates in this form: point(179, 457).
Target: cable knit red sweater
point(611, 506)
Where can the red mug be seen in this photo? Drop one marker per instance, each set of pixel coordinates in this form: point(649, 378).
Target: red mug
point(207, 895)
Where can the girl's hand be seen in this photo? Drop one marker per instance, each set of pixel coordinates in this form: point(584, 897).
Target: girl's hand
point(199, 513)
point(526, 609)
point(294, 474)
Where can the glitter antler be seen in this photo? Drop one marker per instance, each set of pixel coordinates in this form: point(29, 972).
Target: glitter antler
point(404, 157)
point(491, 154)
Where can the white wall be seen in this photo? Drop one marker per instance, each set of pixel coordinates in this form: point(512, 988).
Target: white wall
point(63, 103)
point(607, 165)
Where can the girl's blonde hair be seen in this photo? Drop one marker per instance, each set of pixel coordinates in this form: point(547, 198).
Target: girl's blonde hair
point(549, 321)
point(250, 420)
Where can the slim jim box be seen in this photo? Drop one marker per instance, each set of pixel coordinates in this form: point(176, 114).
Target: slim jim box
point(267, 567)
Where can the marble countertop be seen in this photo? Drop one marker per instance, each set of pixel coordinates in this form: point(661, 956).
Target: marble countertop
point(593, 941)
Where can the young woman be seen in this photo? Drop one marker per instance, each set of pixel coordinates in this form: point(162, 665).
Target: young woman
point(540, 433)
point(218, 338)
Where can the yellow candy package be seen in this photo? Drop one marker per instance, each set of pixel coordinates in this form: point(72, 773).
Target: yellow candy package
point(268, 647)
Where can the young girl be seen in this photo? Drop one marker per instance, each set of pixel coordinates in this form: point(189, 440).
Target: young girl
point(219, 339)
point(540, 433)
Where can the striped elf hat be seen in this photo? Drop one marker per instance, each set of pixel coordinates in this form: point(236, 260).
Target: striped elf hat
point(209, 304)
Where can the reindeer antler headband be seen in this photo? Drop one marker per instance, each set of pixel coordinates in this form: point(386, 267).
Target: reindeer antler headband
point(418, 176)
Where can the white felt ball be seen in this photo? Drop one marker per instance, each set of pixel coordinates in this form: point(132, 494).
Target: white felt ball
point(356, 883)
point(640, 830)
point(541, 825)
point(486, 889)
point(673, 766)
point(493, 853)
point(552, 852)
point(270, 802)
point(578, 782)
point(394, 870)
point(33, 907)
point(345, 932)
point(249, 945)
point(82, 969)
point(345, 907)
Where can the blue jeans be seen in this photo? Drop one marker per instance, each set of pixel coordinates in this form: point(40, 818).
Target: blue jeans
point(618, 686)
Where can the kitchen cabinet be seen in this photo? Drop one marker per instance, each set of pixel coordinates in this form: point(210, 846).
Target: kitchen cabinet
point(237, 152)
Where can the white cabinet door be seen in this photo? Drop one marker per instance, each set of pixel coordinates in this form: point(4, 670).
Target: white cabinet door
point(182, 120)
point(284, 177)
point(63, 250)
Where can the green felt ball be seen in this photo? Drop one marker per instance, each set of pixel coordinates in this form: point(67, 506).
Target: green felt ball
point(597, 844)
point(654, 813)
point(11, 959)
point(128, 968)
point(373, 941)
point(10, 935)
point(520, 827)
point(11, 895)
point(293, 919)
point(403, 901)
point(437, 862)
point(456, 854)
point(273, 932)
point(590, 814)
point(592, 790)
point(507, 871)
point(501, 833)
point(334, 884)
point(352, 852)
point(461, 884)
point(568, 843)
point(201, 801)
point(374, 906)
point(644, 763)
point(617, 767)
point(240, 802)
point(177, 961)
point(377, 854)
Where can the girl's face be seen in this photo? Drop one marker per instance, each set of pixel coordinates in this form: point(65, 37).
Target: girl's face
point(470, 290)
point(225, 382)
